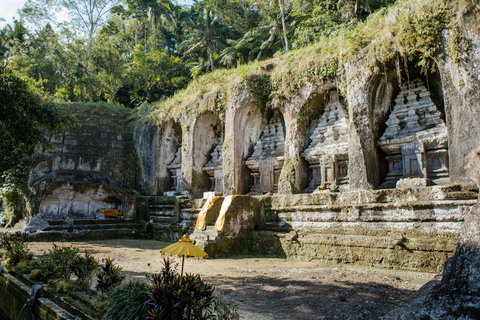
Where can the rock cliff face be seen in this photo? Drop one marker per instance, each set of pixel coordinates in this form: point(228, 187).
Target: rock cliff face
point(91, 167)
point(458, 294)
point(320, 159)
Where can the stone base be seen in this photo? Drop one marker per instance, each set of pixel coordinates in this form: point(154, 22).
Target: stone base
point(209, 194)
point(413, 183)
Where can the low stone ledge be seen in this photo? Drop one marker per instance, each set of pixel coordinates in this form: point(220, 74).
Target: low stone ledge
point(15, 294)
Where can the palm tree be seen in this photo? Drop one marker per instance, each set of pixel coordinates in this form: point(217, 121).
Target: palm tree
point(278, 17)
point(206, 35)
point(11, 35)
point(245, 49)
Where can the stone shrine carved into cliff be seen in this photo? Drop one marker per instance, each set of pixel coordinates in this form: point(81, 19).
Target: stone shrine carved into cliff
point(327, 154)
point(267, 159)
point(415, 140)
point(214, 168)
point(175, 168)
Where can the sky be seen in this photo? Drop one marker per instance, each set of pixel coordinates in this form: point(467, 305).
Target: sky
point(9, 8)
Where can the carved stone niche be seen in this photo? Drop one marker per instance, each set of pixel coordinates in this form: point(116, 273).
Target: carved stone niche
point(175, 168)
point(327, 154)
point(214, 168)
point(267, 159)
point(415, 141)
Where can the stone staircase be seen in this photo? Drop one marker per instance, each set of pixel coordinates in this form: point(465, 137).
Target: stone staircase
point(162, 210)
point(88, 229)
point(202, 238)
point(171, 217)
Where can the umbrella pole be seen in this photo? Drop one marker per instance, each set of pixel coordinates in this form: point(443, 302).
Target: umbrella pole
point(183, 261)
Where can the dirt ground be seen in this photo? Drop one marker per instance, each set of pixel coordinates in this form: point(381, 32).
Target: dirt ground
point(266, 288)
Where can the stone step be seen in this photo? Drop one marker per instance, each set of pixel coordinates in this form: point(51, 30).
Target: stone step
point(132, 225)
point(162, 219)
point(80, 235)
point(161, 214)
point(89, 222)
point(162, 206)
point(200, 243)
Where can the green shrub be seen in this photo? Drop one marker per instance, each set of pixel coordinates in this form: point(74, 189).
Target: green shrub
point(36, 274)
point(14, 249)
point(261, 86)
point(83, 267)
point(63, 257)
point(65, 286)
point(109, 276)
point(189, 297)
point(46, 267)
point(100, 303)
point(127, 302)
point(224, 311)
point(56, 262)
point(25, 266)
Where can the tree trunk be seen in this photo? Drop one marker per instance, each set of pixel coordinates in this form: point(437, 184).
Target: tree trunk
point(210, 58)
point(283, 25)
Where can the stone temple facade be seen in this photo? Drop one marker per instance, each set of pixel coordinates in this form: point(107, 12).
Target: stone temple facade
point(416, 140)
point(176, 170)
point(214, 168)
point(266, 162)
point(327, 154)
point(369, 172)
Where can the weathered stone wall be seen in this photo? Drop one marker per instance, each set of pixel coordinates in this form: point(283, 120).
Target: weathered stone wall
point(414, 229)
point(156, 148)
point(92, 166)
point(457, 296)
point(460, 83)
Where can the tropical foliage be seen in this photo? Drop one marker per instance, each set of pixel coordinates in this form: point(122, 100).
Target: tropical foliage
point(131, 52)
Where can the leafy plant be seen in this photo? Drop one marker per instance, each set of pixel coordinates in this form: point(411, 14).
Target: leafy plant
point(224, 311)
point(62, 258)
point(43, 268)
point(65, 286)
point(127, 301)
point(36, 274)
point(83, 267)
point(24, 120)
point(25, 266)
point(109, 276)
point(261, 86)
point(189, 297)
point(14, 249)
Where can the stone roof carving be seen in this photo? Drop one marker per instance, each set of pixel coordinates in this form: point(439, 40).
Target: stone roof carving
point(415, 140)
point(177, 161)
point(272, 141)
point(216, 162)
point(331, 133)
point(414, 112)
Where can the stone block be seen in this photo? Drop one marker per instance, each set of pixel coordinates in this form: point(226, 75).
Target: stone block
point(413, 183)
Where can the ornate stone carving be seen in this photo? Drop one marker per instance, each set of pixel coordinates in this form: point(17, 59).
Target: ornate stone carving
point(175, 167)
point(415, 140)
point(327, 154)
point(267, 159)
point(214, 168)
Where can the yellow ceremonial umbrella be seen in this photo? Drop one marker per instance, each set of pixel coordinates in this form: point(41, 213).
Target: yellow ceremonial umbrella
point(185, 248)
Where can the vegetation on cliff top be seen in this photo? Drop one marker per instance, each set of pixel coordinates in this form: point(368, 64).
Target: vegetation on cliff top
point(407, 31)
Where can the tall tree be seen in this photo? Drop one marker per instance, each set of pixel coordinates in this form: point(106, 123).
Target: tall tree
point(206, 35)
point(86, 15)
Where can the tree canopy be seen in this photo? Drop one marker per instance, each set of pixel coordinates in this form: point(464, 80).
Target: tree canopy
point(130, 52)
point(24, 120)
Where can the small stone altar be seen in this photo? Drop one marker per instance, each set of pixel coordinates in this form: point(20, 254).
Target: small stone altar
point(327, 154)
point(267, 159)
point(415, 140)
point(175, 168)
point(214, 168)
